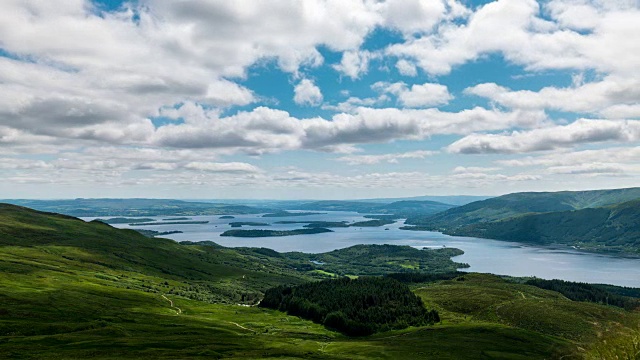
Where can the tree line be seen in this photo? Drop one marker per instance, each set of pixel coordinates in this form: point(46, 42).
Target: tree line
point(586, 292)
point(355, 307)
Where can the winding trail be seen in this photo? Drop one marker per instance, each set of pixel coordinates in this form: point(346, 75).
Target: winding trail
point(241, 327)
point(177, 309)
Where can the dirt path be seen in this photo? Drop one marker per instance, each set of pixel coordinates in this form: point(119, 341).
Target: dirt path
point(177, 309)
point(240, 326)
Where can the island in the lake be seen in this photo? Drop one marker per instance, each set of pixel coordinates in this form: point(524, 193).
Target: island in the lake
point(171, 223)
point(372, 223)
point(271, 233)
point(176, 219)
point(227, 217)
point(237, 224)
point(341, 224)
point(153, 233)
point(124, 220)
point(317, 224)
point(288, 213)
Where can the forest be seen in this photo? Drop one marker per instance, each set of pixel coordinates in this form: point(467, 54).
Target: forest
point(355, 307)
point(586, 292)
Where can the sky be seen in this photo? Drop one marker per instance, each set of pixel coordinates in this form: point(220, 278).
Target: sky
point(334, 99)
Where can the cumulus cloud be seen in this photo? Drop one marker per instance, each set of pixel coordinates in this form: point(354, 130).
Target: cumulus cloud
point(307, 93)
point(353, 103)
point(406, 68)
point(425, 95)
point(579, 132)
point(231, 167)
point(529, 39)
point(473, 169)
point(355, 63)
point(390, 158)
point(161, 80)
point(606, 162)
point(613, 96)
point(265, 130)
point(574, 158)
point(90, 72)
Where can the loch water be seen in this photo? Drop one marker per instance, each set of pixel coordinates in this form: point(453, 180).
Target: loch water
point(483, 255)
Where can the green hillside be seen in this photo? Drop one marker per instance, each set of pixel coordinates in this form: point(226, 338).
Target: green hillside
point(516, 204)
point(611, 228)
point(76, 290)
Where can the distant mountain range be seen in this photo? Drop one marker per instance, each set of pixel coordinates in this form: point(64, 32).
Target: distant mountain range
point(135, 207)
point(457, 200)
point(597, 220)
point(398, 208)
point(602, 220)
point(158, 207)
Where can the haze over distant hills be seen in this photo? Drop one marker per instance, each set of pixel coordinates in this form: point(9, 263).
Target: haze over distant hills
point(447, 199)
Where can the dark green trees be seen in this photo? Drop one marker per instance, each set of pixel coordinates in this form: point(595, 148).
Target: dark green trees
point(354, 307)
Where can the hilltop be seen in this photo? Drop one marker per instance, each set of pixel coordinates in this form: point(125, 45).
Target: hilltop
point(612, 228)
point(515, 204)
point(602, 220)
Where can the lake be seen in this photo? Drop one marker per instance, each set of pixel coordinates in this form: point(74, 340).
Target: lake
point(491, 256)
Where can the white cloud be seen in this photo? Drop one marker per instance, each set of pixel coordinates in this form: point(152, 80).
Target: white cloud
point(406, 68)
point(607, 162)
point(415, 16)
point(232, 167)
point(390, 158)
point(592, 169)
point(83, 85)
point(416, 96)
point(574, 158)
point(613, 96)
point(473, 169)
point(579, 132)
point(265, 130)
point(97, 75)
point(528, 39)
point(307, 93)
point(354, 63)
point(353, 103)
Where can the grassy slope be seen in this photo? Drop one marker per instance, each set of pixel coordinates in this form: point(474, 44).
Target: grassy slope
point(71, 290)
point(516, 204)
point(598, 331)
point(615, 227)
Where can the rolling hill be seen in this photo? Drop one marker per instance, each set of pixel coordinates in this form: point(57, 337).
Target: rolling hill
point(610, 228)
point(599, 220)
point(71, 289)
point(516, 204)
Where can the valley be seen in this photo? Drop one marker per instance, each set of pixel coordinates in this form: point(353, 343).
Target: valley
point(90, 284)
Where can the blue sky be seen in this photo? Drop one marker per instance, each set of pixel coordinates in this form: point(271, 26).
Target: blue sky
point(317, 99)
